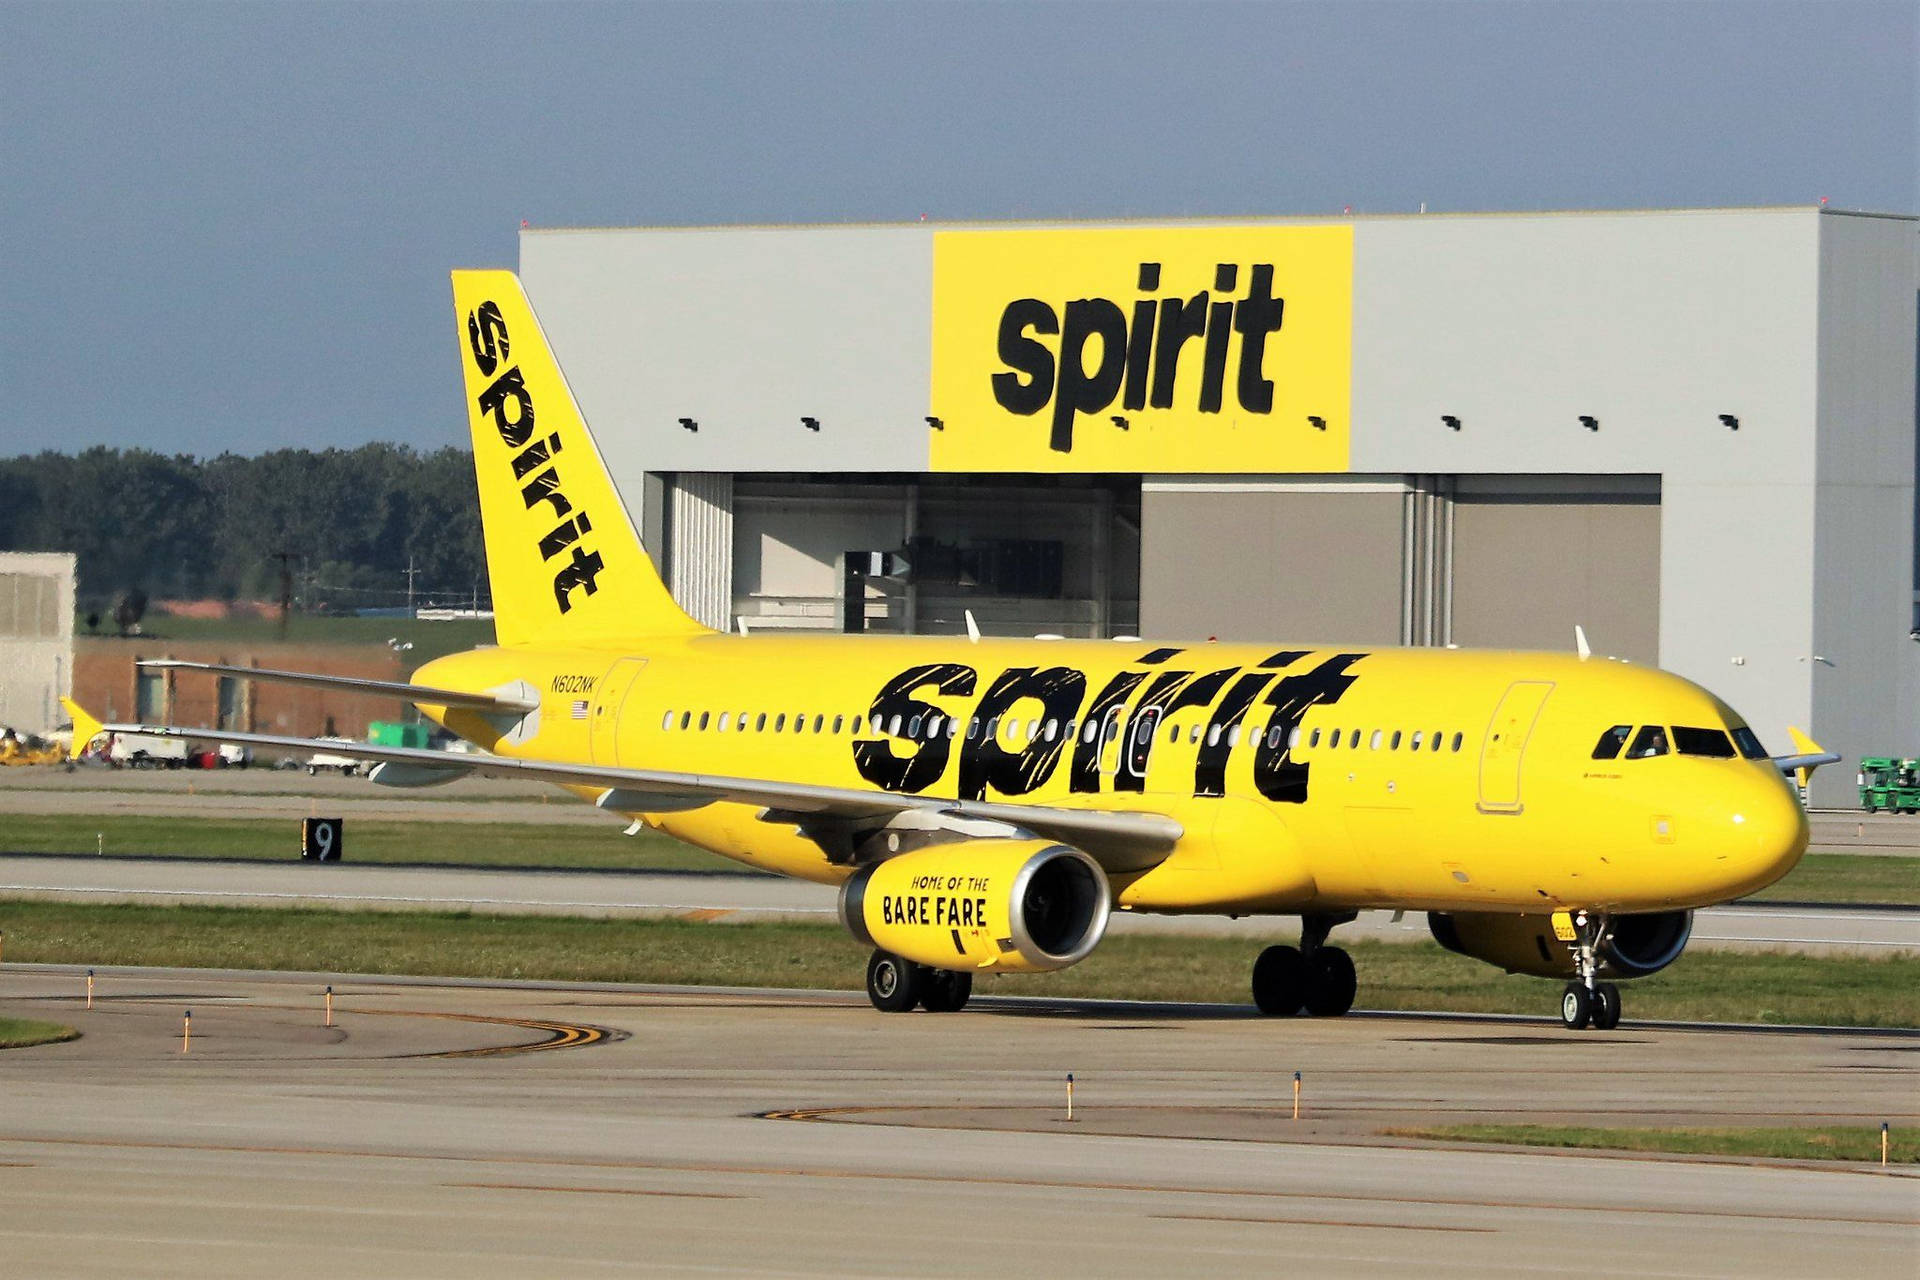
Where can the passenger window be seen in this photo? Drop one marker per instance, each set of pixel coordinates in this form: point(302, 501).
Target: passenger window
point(759, 723)
point(820, 723)
point(1013, 728)
point(1456, 741)
point(1437, 735)
point(1314, 740)
point(667, 723)
point(838, 721)
point(1749, 743)
point(1113, 725)
point(953, 728)
point(913, 727)
point(1702, 742)
point(893, 727)
point(1293, 737)
point(1650, 741)
point(726, 719)
point(1373, 743)
point(1233, 736)
point(741, 723)
point(779, 723)
point(703, 720)
point(1395, 744)
point(686, 718)
point(1415, 744)
point(1608, 748)
point(1173, 734)
point(1053, 730)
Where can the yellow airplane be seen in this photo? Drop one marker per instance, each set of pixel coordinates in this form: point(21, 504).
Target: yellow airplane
point(985, 804)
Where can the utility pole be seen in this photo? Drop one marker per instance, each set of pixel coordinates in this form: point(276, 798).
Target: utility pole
point(286, 559)
point(411, 571)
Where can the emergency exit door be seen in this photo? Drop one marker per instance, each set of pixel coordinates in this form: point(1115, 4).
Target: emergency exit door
point(1504, 751)
point(608, 697)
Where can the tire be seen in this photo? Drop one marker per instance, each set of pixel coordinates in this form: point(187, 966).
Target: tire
point(1331, 982)
point(893, 984)
point(313, 771)
point(1606, 1007)
point(1280, 981)
point(946, 991)
point(1576, 1007)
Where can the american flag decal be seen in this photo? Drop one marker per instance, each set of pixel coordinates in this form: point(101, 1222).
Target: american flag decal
point(579, 708)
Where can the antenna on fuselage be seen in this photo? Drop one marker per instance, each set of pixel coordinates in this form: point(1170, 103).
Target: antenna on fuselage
point(973, 629)
point(1580, 642)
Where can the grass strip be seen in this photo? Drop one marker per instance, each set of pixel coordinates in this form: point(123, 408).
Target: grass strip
point(1724, 986)
point(19, 1033)
point(571, 846)
point(1830, 877)
point(1847, 877)
point(1823, 1142)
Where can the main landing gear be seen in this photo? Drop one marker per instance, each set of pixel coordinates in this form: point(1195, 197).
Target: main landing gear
point(1588, 1002)
point(896, 985)
point(1312, 978)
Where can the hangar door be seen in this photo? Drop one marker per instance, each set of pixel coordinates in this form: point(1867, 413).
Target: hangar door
point(1301, 560)
point(1534, 556)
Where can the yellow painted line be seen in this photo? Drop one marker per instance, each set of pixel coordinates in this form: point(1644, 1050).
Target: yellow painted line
point(561, 1035)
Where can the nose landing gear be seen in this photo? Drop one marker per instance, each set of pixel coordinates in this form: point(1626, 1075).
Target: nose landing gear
point(1313, 978)
point(1588, 1002)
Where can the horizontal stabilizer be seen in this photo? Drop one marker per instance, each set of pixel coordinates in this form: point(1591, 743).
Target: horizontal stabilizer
point(421, 694)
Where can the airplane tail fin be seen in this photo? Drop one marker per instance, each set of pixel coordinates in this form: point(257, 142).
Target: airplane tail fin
point(564, 561)
point(85, 729)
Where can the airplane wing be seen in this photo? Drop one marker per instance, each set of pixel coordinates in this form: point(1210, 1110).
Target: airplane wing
point(515, 703)
point(1119, 840)
point(1811, 755)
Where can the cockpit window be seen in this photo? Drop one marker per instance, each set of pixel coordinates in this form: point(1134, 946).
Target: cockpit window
point(1702, 742)
point(1650, 741)
point(1749, 743)
point(1608, 748)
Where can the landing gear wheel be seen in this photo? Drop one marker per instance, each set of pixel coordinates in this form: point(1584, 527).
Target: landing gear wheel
point(1606, 1007)
point(1576, 1007)
point(945, 991)
point(1330, 982)
point(894, 985)
point(1280, 981)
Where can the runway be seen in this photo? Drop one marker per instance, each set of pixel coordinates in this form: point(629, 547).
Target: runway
point(277, 1144)
point(1754, 926)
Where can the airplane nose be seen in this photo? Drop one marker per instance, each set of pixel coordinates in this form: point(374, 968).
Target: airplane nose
point(1773, 834)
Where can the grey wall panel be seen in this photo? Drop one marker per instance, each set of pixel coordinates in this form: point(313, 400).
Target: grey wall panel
point(1652, 323)
point(744, 330)
point(700, 547)
point(1303, 564)
point(1528, 569)
point(1864, 703)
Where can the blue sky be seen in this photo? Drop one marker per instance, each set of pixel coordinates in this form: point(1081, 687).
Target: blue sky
point(229, 226)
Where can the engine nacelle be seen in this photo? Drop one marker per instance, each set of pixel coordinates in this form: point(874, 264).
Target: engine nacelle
point(1017, 906)
point(1632, 946)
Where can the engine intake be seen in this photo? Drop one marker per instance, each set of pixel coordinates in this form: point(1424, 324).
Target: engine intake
point(1632, 946)
point(1013, 905)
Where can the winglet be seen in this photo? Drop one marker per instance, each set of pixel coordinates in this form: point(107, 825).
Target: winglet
point(1580, 642)
point(85, 728)
point(973, 629)
point(1808, 755)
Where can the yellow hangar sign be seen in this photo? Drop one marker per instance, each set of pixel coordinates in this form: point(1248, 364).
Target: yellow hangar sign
point(1169, 350)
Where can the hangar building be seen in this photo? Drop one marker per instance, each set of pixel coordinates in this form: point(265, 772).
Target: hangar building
point(1693, 433)
point(36, 638)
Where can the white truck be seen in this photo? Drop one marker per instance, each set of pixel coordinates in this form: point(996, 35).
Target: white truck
point(145, 751)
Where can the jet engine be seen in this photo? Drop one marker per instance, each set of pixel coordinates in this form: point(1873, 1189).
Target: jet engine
point(1012, 905)
point(1630, 946)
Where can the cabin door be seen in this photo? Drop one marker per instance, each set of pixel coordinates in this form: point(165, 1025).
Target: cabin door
point(1505, 748)
point(603, 726)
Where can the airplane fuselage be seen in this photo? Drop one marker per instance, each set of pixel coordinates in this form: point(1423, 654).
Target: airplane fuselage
point(1304, 778)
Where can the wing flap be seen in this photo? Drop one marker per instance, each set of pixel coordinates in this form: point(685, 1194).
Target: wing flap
point(425, 695)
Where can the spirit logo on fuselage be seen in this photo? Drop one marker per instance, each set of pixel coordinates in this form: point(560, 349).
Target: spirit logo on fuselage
point(508, 402)
point(1112, 733)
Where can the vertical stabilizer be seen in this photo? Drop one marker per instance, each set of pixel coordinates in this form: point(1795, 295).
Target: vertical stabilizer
point(564, 561)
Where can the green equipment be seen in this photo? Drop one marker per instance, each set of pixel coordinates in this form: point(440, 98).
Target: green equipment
point(386, 733)
point(1890, 783)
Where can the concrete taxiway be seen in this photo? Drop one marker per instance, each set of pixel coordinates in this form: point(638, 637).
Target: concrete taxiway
point(447, 1128)
point(1753, 926)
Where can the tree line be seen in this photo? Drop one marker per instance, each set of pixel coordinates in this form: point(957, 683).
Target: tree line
point(345, 524)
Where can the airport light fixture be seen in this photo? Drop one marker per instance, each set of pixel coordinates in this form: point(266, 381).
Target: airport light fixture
point(689, 424)
point(1317, 422)
point(935, 423)
point(1452, 423)
point(1590, 422)
point(1730, 422)
point(811, 424)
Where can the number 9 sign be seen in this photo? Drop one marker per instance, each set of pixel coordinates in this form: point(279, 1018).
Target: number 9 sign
point(321, 839)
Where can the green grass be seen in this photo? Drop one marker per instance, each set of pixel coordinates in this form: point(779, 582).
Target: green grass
point(1818, 878)
point(19, 1033)
point(600, 846)
point(429, 639)
point(1847, 877)
point(1712, 986)
point(1824, 1142)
